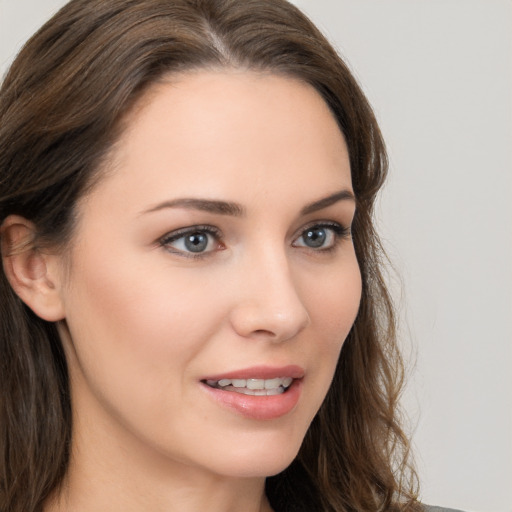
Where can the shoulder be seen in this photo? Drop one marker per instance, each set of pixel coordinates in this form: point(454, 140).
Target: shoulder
point(429, 508)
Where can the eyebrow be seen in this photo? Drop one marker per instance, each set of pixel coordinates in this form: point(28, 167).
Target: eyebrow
point(342, 195)
point(205, 205)
point(237, 210)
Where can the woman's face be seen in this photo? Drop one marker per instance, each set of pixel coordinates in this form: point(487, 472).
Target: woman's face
point(212, 278)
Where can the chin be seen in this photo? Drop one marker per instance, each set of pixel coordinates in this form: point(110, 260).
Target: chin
point(259, 459)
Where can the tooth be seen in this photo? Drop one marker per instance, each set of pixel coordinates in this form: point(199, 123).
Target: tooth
point(272, 383)
point(287, 382)
point(255, 384)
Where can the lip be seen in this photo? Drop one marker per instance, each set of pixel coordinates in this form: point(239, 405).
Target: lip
point(258, 407)
point(261, 372)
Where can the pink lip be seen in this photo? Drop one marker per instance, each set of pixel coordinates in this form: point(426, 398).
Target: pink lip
point(259, 407)
point(261, 372)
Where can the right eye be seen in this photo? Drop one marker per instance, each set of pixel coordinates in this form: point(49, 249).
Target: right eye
point(195, 241)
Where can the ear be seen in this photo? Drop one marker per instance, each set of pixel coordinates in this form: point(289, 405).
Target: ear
point(33, 274)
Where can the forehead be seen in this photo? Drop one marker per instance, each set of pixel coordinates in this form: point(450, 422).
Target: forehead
point(223, 133)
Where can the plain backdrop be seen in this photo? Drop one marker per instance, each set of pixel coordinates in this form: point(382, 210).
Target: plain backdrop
point(439, 74)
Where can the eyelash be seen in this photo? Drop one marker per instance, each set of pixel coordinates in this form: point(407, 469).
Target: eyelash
point(338, 231)
point(168, 239)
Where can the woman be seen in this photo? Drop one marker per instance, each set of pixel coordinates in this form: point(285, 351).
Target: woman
point(187, 241)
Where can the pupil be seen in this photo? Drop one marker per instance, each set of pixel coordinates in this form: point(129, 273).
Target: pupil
point(315, 237)
point(196, 242)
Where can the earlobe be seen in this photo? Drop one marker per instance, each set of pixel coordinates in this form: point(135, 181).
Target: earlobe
point(30, 271)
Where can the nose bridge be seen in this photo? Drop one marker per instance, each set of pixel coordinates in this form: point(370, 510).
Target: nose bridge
point(270, 304)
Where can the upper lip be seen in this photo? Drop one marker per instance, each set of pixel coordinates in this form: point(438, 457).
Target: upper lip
point(261, 372)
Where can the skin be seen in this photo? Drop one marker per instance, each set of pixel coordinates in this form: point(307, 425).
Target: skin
point(144, 321)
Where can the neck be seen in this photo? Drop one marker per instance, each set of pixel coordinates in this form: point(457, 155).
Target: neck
point(172, 498)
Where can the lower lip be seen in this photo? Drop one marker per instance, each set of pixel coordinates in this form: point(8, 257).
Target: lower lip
point(258, 407)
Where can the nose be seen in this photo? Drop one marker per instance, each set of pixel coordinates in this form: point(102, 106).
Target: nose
point(268, 302)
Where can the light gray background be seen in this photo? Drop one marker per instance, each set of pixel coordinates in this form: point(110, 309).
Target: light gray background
point(439, 74)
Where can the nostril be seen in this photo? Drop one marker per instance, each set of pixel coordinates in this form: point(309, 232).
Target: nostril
point(264, 332)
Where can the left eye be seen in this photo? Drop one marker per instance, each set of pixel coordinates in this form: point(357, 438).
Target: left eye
point(320, 237)
point(193, 241)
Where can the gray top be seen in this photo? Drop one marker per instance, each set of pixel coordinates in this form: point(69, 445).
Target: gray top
point(429, 508)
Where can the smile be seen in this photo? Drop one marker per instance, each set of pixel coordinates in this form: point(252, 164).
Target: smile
point(258, 393)
point(254, 387)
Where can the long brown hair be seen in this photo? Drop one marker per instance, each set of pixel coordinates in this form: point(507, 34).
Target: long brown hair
point(61, 106)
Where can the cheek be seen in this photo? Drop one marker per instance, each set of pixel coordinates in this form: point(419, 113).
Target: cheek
point(333, 303)
point(134, 329)
point(130, 302)
point(135, 336)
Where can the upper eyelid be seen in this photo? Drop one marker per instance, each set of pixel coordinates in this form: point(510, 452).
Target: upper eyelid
point(179, 233)
point(322, 223)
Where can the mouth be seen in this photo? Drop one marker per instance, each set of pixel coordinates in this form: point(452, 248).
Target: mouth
point(258, 393)
point(253, 387)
